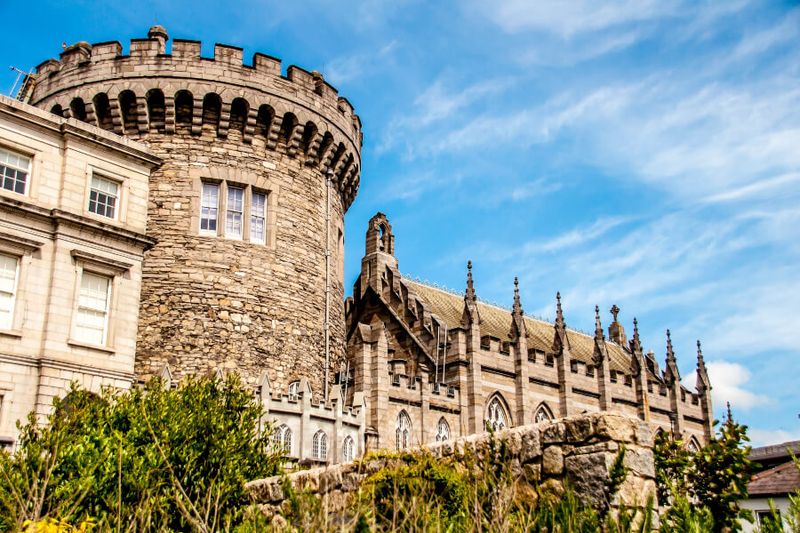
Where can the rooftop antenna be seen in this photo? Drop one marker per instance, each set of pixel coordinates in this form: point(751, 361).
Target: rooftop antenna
point(21, 74)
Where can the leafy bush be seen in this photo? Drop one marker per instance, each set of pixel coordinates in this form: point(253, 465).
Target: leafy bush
point(144, 460)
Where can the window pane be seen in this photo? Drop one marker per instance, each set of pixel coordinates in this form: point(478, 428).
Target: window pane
point(209, 207)
point(90, 325)
point(8, 288)
point(233, 217)
point(257, 218)
point(14, 169)
point(103, 197)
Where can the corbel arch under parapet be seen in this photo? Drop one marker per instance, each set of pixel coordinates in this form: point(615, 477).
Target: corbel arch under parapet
point(497, 414)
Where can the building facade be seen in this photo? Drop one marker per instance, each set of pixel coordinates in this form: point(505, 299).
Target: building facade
point(432, 364)
point(227, 210)
point(73, 212)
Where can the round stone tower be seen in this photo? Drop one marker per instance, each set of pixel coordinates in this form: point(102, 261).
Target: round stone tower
point(248, 207)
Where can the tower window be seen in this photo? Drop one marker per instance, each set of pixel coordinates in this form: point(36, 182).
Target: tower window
point(103, 197)
point(233, 218)
point(442, 430)
point(14, 170)
point(209, 207)
point(258, 215)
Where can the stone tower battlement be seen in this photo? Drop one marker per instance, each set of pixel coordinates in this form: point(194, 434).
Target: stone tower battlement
point(248, 206)
point(150, 89)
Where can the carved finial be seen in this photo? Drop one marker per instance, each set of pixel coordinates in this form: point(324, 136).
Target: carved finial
point(517, 309)
point(614, 311)
point(670, 353)
point(636, 344)
point(598, 327)
point(470, 294)
point(700, 361)
point(559, 313)
point(730, 415)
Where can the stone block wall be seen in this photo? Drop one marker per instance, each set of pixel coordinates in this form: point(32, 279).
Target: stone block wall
point(578, 450)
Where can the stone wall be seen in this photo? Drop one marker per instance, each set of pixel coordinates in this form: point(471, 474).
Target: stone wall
point(579, 450)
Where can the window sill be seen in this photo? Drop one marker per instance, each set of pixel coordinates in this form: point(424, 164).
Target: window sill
point(16, 333)
point(96, 347)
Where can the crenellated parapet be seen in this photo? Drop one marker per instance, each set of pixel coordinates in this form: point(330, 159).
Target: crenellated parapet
point(152, 91)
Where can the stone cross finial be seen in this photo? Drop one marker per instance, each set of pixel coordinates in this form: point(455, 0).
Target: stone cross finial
point(614, 311)
point(470, 294)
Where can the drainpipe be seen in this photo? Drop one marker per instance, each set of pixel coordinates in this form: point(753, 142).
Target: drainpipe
point(327, 326)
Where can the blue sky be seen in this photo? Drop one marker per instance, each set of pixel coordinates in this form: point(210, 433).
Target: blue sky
point(638, 153)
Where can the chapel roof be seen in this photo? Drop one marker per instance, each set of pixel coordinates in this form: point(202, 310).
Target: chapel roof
point(496, 322)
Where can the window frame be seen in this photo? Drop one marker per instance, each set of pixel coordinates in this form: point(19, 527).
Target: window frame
point(259, 197)
point(79, 308)
point(28, 171)
point(15, 290)
point(242, 213)
point(117, 207)
point(348, 449)
point(263, 216)
point(217, 209)
point(319, 445)
point(22, 248)
point(99, 266)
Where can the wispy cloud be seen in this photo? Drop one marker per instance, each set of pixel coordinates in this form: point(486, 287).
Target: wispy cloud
point(731, 383)
point(348, 68)
point(568, 19)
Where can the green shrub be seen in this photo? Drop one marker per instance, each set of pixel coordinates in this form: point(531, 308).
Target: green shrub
point(148, 459)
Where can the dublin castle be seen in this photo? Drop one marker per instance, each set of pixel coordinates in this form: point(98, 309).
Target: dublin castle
point(163, 214)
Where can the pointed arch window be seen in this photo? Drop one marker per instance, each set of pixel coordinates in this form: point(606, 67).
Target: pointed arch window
point(320, 446)
point(442, 430)
point(348, 449)
point(496, 416)
point(543, 414)
point(693, 446)
point(403, 431)
point(294, 391)
point(283, 439)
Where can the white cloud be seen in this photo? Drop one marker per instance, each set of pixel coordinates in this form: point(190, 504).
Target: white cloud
point(767, 437)
point(730, 384)
point(574, 237)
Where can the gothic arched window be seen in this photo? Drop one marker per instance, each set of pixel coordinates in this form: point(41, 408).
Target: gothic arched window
point(283, 439)
point(348, 449)
point(403, 431)
point(320, 446)
point(294, 391)
point(496, 416)
point(442, 430)
point(693, 446)
point(543, 414)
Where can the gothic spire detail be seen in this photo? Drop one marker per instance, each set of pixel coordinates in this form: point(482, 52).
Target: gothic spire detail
point(561, 340)
point(730, 415)
point(470, 294)
point(598, 327)
point(559, 314)
point(671, 372)
point(636, 343)
point(517, 308)
point(471, 315)
point(670, 353)
point(703, 382)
